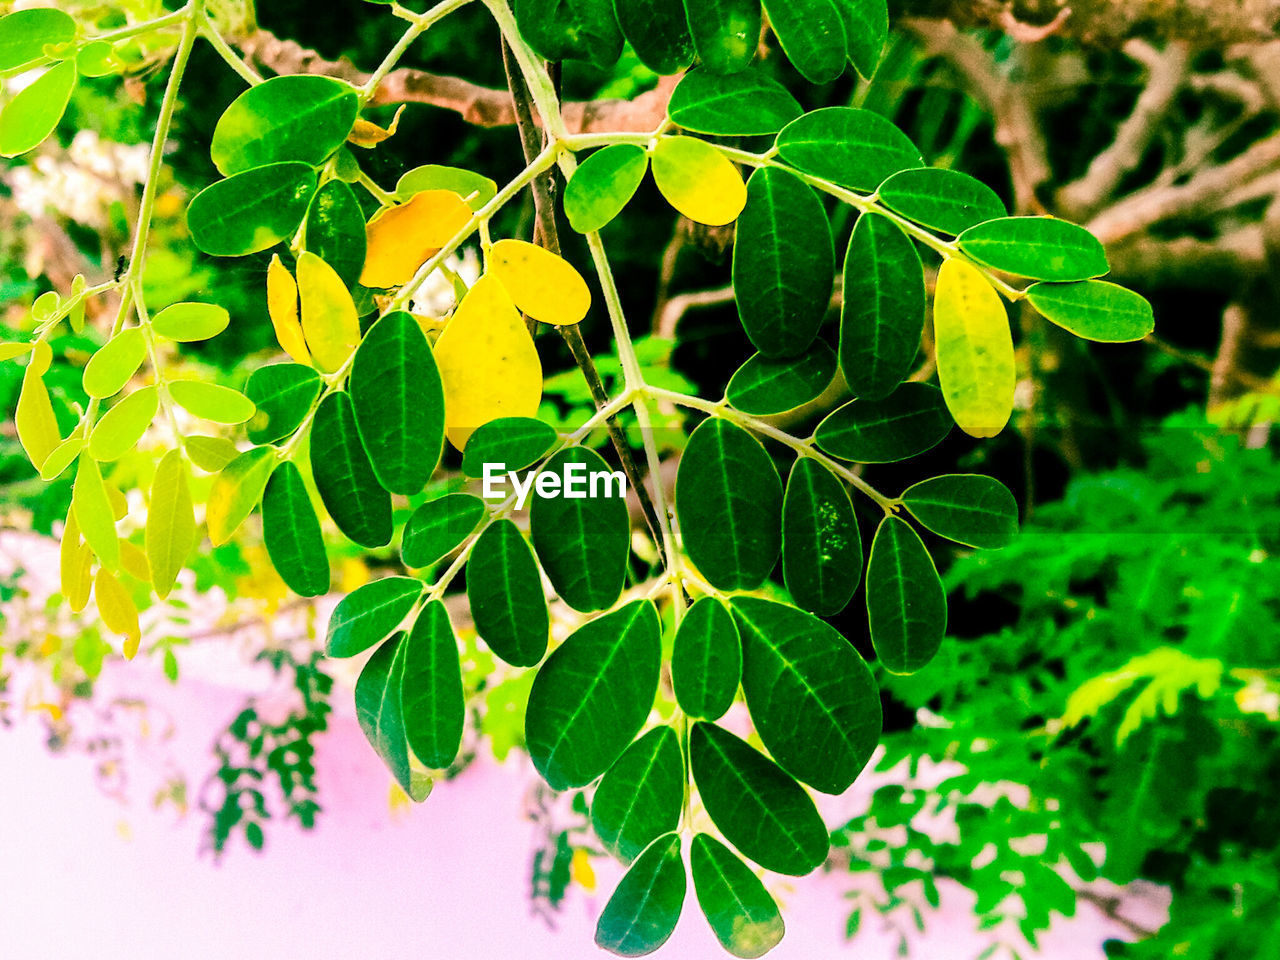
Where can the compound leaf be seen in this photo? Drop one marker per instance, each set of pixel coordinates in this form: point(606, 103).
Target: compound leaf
point(640, 796)
point(604, 184)
point(847, 146)
point(171, 522)
point(741, 104)
point(505, 593)
point(908, 422)
point(251, 211)
point(968, 508)
point(941, 199)
point(300, 118)
point(974, 349)
point(725, 32)
point(740, 911)
point(1094, 310)
point(439, 526)
point(706, 660)
point(292, 535)
point(431, 690)
point(348, 486)
point(282, 394)
point(643, 911)
point(765, 385)
point(698, 180)
point(1043, 248)
point(906, 603)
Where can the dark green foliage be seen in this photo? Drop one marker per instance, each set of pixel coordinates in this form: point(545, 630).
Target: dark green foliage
point(706, 660)
point(292, 533)
point(283, 394)
point(906, 423)
point(643, 910)
point(438, 527)
point(505, 593)
point(764, 385)
point(821, 545)
point(640, 796)
point(358, 504)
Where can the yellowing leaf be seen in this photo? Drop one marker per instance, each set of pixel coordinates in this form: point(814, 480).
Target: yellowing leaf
point(134, 562)
point(403, 237)
point(63, 455)
point(367, 134)
point(117, 610)
point(329, 318)
point(542, 284)
point(94, 513)
point(34, 418)
point(584, 875)
point(488, 363)
point(10, 350)
point(171, 522)
point(74, 561)
point(282, 306)
point(974, 349)
point(698, 180)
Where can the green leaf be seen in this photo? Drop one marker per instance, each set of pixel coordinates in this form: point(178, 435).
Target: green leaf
point(96, 519)
point(582, 541)
point(847, 146)
point(604, 184)
point(783, 263)
point(251, 211)
point(475, 188)
point(729, 502)
point(965, 507)
point(725, 32)
point(821, 546)
point(908, 422)
point(1043, 248)
point(513, 442)
point(764, 386)
point(209, 401)
point(110, 368)
point(812, 698)
point(883, 310)
point(658, 31)
point(640, 797)
point(434, 710)
point(289, 118)
point(867, 28)
point(439, 526)
point(572, 30)
point(236, 490)
point(399, 403)
point(706, 660)
point(906, 603)
point(190, 322)
point(24, 34)
point(348, 486)
point(370, 614)
point(210, 454)
point(738, 105)
point(1094, 310)
point(171, 522)
point(96, 59)
point(35, 110)
point(505, 593)
point(945, 200)
point(123, 425)
point(593, 695)
point(643, 911)
point(759, 808)
point(335, 230)
point(742, 914)
point(292, 535)
point(282, 394)
point(379, 711)
point(812, 34)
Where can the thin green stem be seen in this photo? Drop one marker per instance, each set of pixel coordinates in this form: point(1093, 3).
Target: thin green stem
point(123, 33)
point(382, 196)
point(233, 59)
point(418, 24)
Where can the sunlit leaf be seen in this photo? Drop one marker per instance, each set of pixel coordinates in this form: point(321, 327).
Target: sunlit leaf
point(974, 349)
point(303, 118)
point(358, 504)
point(603, 184)
point(329, 319)
point(117, 610)
point(438, 527)
point(698, 180)
point(291, 533)
point(540, 283)
point(171, 523)
point(431, 691)
point(236, 490)
point(1043, 248)
point(25, 33)
point(210, 401)
point(251, 211)
point(402, 238)
point(282, 305)
point(942, 199)
point(370, 614)
point(1094, 310)
point(36, 109)
point(512, 442)
point(725, 32)
point(123, 425)
point(190, 322)
point(741, 104)
point(742, 914)
point(847, 146)
point(110, 368)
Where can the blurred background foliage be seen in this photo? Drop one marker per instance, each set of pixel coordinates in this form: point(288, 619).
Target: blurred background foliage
point(1112, 696)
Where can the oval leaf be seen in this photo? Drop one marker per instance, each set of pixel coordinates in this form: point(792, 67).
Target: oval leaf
point(123, 425)
point(582, 535)
point(783, 263)
point(729, 502)
point(282, 395)
point(847, 146)
point(764, 386)
point(1094, 310)
point(906, 603)
point(190, 322)
point(510, 443)
point(171, 522)
point(282, 306)
point(110, 368)
point(706, 660)
point(402, 238)
point(883, 311)
point(908, 422)
point(812, 698)
point(738, 105)
point(867, 28)
point(725, 33)
point(399, 403)
point(658, 31)
point(640, 797)
point(370, 614)
point(812, 34)
point(292, 535)
point(24, 34)
point(348, 486)
point(821, 546)
point(604, 184)
point(94, 514)
point(945, 200)
point(698, 180)
point(379, 710)
point(438, 527)
point(35, 110)
point(593, 694)
point(251, 211)
point(740, 911)
point(965, 507)
point(582, 30)
point(505, 594)
point(434, 709)
point(1043, 248)
point(303, 118)
point(209, 401)
point(974, 349)
point(335, 230)
point(541, 283)
point(759, 808)
point(476, 189)
point(236, 490)
point(329, 320)
point(643, 911)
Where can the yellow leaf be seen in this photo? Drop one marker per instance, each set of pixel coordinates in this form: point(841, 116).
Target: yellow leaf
point(367, 134)
point(34, 418)
point(974, 349)
point(74, 561)
point(698, 180)
point(134, 562)
point(10, 350)
point(94, 514)
point(171, 523)
point(119, 505)
point(282, 306)
point(329, 318)
point(116, 608)
point(487, 361)
point(542, 284)
point(403, 237)
point(584, 875)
